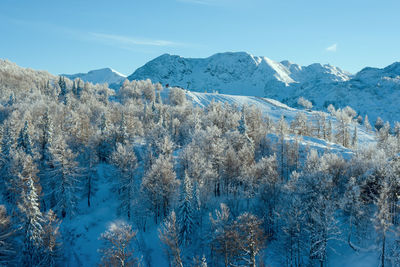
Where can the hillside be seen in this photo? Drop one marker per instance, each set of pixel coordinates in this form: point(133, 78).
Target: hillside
point(178, 176)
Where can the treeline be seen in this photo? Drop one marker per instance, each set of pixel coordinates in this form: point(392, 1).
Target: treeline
point(223, 185)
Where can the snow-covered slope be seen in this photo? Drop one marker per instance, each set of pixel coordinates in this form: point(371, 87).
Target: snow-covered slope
point(274, 110)
point(372, 91)
point(105, 75)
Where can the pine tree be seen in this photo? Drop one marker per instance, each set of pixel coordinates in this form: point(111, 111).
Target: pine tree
point(11, 100)
point(379, 123)
point(32, 224)
point(185, 214)
point(46, 161)
point(367, 125)
point(24, 141)
point(63, 87)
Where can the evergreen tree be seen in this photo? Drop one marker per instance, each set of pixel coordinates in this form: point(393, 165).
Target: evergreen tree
point(63, 88)
point(24, 141)
point(379, 123)
point(185, 215)
point(367, 125)
point(46, 163)
point(32, 224)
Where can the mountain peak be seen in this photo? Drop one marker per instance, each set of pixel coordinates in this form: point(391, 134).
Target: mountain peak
point(104, 75)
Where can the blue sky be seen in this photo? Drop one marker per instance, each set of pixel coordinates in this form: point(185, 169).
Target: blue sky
point(77, 36)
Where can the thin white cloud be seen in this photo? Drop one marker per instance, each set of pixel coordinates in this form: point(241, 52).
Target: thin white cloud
point(332, 48)
point(131, 41)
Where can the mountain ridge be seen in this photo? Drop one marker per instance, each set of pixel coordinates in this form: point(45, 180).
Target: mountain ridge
point(240, 73)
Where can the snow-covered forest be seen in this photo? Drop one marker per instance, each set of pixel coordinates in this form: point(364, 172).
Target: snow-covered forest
point(145, 176)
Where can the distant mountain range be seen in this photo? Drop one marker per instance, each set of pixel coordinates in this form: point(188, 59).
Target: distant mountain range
point(371, 91)
point(106, 75)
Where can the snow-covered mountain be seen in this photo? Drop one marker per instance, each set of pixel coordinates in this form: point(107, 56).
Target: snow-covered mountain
point(372, 91)
point(106, 75)
point(235, 73)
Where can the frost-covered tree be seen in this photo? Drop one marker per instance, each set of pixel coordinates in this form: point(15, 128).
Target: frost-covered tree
point(304, 103)
point(300, 124)
point(64, 177)
point(378, 123)
point(7, 235)
point(52, 254)
point(354, 139)
point(125, 159)
point(24, 140)
point(6, 164)
point(105, 140)
point(117, 249)
point(344, 118)
point(89, 172)
point(160, 184)
point(185, 212)
point(32, 224)
point(367, 125)
point(177, 96)
point(252, 237)
point(315, 186)
point(353, 207)
point(282, 129)
point(293, 234)
point(169, 236)
point(63, 87)
point(383, 219)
